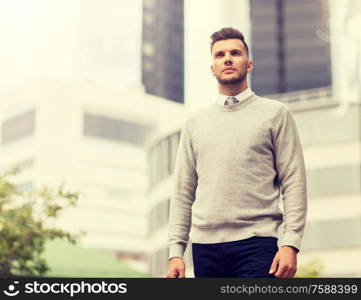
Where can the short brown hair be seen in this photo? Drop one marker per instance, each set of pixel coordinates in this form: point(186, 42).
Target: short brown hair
point(228, 33)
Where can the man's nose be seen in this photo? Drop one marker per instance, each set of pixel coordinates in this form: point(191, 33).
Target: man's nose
point(228, 60)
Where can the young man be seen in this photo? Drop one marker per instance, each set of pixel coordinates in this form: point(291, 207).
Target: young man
point(233, 160)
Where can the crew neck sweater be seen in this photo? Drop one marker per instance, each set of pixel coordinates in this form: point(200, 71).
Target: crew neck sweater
point(232, 164)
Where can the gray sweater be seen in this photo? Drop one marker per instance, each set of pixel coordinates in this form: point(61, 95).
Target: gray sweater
point(232, 164)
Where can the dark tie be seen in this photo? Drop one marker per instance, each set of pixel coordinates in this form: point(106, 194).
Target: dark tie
point(230, 100)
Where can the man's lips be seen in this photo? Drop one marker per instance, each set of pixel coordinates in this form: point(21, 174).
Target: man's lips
point(229, 70)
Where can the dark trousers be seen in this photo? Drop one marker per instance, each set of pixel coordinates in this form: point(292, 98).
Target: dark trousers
point(247, 258)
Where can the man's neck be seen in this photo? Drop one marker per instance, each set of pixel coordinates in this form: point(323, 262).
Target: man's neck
point(232, 89)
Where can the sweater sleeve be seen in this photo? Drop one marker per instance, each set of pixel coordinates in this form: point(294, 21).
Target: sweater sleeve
point(182, 196)
point(291, 172)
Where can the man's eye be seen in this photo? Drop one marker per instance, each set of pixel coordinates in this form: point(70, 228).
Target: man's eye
point(219, 55)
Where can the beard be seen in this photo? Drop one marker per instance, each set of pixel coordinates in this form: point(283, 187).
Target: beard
point(242, 76)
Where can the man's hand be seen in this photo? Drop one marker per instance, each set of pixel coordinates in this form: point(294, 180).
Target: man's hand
point(284, 264)
point(176, 268)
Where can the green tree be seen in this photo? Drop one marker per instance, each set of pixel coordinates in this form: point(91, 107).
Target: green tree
point(25, 225)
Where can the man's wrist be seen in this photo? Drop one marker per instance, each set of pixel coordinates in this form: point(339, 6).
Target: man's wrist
point(292, 247)
point(175, 257)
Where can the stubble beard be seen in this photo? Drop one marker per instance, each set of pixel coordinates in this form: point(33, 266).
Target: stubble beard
point(231, 81)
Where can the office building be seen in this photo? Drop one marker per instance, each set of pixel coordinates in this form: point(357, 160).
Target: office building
point(162, 49)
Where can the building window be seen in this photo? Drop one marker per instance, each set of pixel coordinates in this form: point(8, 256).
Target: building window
point(162, 157)
point(283, 32)
point(159, 261)
point(159, 215)
point(149, 18)
point(148, 48)
point(115, 129)
point(148, 65)
point(149, 3)
point(18, 127)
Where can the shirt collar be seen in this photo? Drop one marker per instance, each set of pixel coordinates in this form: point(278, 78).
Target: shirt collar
point(240, 97)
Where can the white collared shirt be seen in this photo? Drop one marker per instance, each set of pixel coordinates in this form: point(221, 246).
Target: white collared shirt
point(240, 97)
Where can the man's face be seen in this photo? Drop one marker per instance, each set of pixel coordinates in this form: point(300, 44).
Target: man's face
point(230, 61)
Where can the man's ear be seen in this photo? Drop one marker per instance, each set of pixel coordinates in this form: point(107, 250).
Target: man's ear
point(212, 70)
point(249, 66)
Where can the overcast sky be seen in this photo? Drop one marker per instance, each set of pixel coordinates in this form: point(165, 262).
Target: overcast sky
point(70, 40)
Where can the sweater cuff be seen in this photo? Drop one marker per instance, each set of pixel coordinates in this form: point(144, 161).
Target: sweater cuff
point(176, 250)
point(291, 239)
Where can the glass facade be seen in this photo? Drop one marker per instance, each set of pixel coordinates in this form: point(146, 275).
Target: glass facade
point(115, 129)
point(159, 215)
point(162, 54)
point(162, 158)
point(288, 55)
point(158, 261)
point(18, 127)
